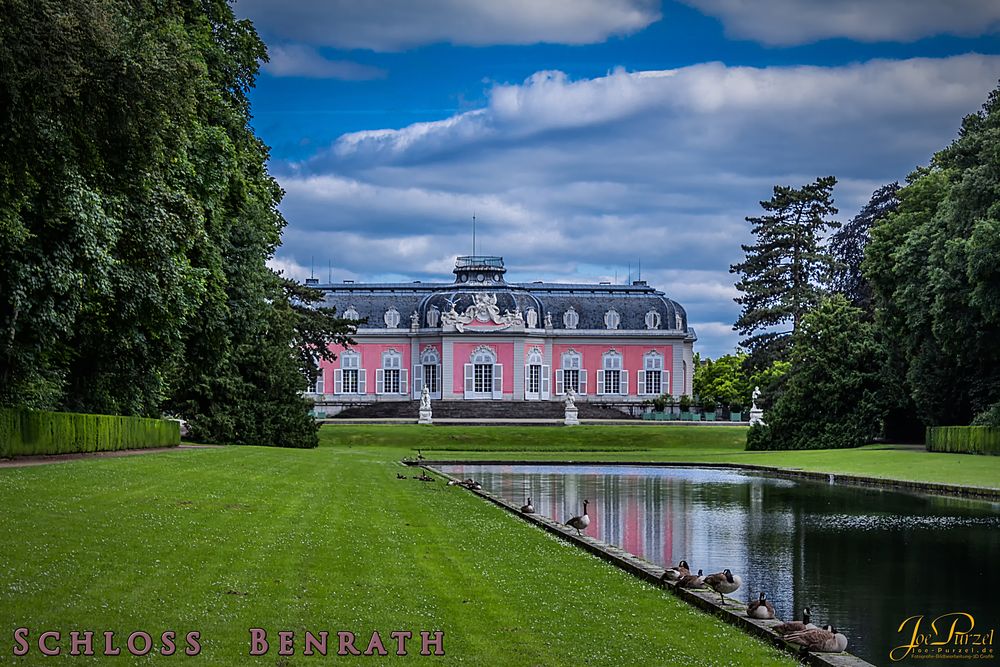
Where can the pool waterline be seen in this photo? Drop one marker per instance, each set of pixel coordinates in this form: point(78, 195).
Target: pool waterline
point(863, 559)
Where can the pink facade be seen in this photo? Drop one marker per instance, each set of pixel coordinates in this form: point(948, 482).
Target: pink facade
point(462, 353)
point(632, 361)
point(371, 360)
point(633, 358)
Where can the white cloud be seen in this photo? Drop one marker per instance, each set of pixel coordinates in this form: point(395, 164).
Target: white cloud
point(574, 180)
point(789, 22)
point(305, 61)
point(396, 25)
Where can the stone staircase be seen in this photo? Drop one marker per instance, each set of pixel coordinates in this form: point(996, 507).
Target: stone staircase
point(480, 410)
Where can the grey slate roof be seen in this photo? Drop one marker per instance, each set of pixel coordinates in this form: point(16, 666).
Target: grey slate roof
point(591, 302)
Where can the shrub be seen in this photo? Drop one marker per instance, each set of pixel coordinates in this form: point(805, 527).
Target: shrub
point(759, 438)
point(964, 439)
point(24, 432)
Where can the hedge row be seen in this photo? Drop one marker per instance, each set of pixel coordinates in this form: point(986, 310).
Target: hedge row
point(964, 439)
point(24, 432)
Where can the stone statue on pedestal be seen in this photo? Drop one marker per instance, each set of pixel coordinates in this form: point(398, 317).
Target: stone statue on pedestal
point(572, 412)
point(756, 414)
point(425, 407)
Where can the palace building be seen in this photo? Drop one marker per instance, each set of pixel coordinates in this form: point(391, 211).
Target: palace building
point(482, 338)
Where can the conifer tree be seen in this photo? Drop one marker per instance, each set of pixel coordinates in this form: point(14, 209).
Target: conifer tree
point(787, 270)
point(848, 245)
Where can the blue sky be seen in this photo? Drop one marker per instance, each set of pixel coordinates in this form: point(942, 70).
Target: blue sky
point(588, 135)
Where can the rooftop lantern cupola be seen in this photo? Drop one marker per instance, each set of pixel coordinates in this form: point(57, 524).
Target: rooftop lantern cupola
point(479, 270)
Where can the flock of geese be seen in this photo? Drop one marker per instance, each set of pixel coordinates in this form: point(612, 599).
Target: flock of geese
point(804, 632)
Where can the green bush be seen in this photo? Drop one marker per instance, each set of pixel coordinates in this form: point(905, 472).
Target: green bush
point(24, 432)
point(964, 439)
point(759, 438)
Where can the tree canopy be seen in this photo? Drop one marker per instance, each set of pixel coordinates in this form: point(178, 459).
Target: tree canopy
point(787, 270)
point(832, 394)
point(847, 246)
point(136, 219)
point(934, 266)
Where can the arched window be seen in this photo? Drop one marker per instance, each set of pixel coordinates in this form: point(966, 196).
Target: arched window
point(531, 317)
point(433, 317)
point(571, 318)
point(483, 375)
point(350, 377)
point(427, 372)
point(612, 319)
point(653, 379)
point(612, 378)
point(652, 320)
point(391, 377)
point(536, 376)
point(351, 313)
point(571, 374)
point(391, 318)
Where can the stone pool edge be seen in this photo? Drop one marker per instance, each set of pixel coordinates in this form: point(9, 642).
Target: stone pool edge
point(935, 488)
point(733, 612)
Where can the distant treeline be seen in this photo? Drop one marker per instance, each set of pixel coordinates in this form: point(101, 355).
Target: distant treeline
point(891, 324)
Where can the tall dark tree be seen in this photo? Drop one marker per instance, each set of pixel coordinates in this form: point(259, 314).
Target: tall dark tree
point(136, 219)
point(848, 244)
point(787, 270)
point(936, 279)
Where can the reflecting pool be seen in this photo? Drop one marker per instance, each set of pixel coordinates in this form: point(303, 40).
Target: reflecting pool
point(862, 559)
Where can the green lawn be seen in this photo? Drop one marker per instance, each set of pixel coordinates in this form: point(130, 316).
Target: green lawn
point(221, 540)
point(715, 444)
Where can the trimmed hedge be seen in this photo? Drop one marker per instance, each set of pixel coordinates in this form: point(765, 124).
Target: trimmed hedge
point(24, 432)
point(964, 439)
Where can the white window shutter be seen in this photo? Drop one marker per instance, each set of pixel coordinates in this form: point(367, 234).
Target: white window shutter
point(362, 381)
point(583, 382)
point(624, 386)
point(418, 381)
point(527, 380)
point(497, 380)
point(642, 382)
point(600, 382)
point(338, 381)
point(379, 381)
point(402, 381)
point(559, 382)
point(665, 382)
point(545, 383)
point(470, 382)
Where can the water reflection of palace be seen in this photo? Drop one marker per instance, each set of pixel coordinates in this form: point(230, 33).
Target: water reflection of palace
point(859, 558)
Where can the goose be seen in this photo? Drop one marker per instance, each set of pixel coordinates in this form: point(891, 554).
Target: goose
point(760, 608)
point(827, 640)
point(723, 582)
point(795, 626)
point(675, 573)
point(420, 455)
point(529, 508)
point(692, 580)
point(453, 482)
point(400, 475)
point(580, 522)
